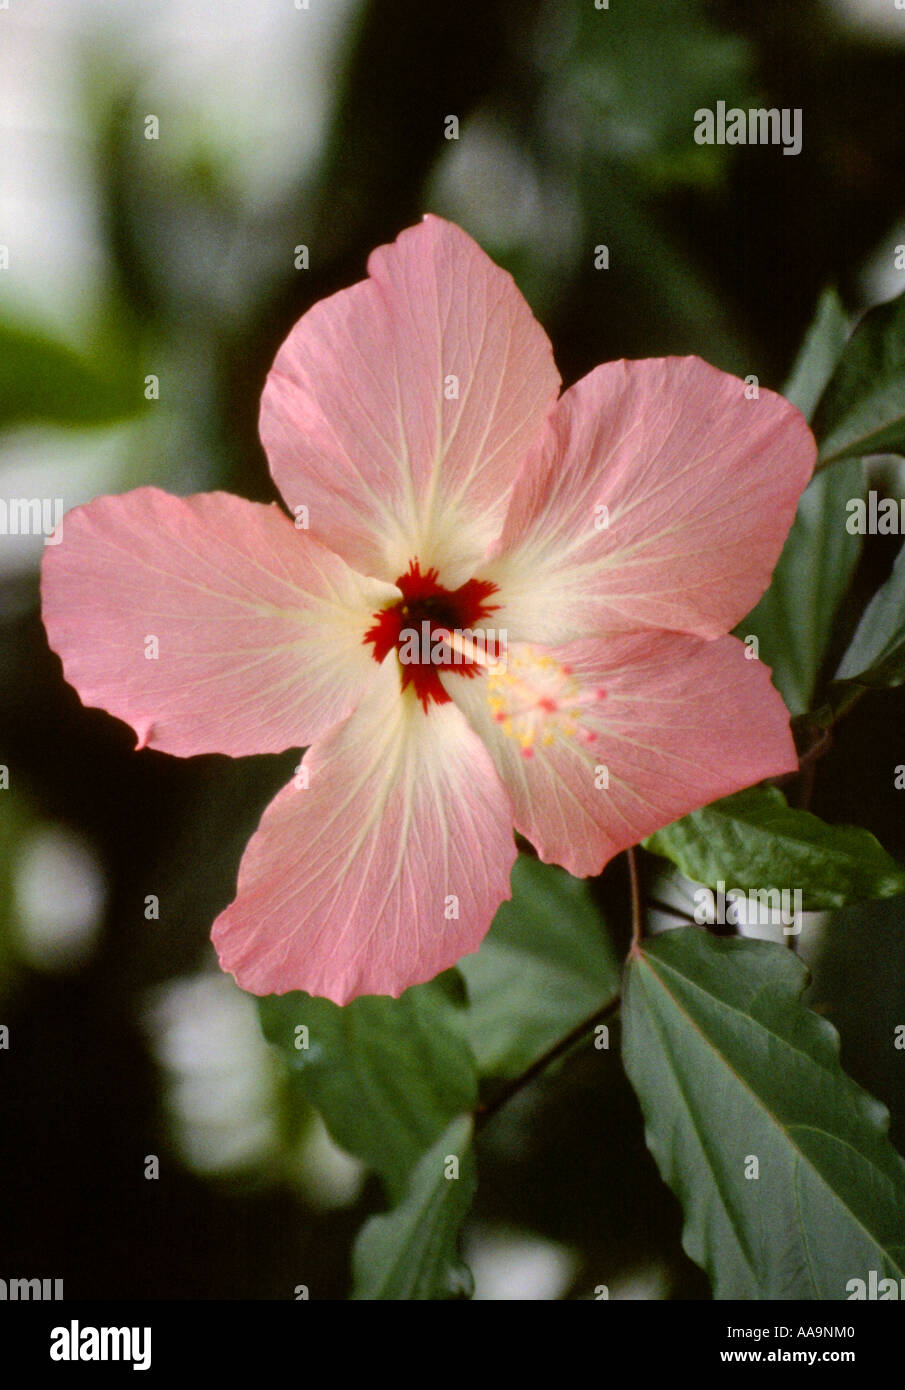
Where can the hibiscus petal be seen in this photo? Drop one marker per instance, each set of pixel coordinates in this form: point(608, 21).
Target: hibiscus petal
point(680, 722)
point(259, 629)
point(700, 486)
point(400, 410)
point(384, 870)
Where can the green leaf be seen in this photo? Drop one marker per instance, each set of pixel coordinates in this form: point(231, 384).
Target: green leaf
point(876, 654)
point(545, 965)
point(41, 379)
point(411, 1252)
point(753, 840)
point(820, 351)
point(794, 620)
point(862, 410)
point(730, 1067)
point(387, 1075)
point(614, 73)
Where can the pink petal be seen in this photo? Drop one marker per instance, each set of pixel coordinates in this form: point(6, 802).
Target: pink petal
point(701, 486)
point(384, 870)
point(356, 418)
point(259, 628)
point(675, 721)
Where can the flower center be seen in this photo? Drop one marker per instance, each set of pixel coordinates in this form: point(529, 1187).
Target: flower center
point(421, 624)
point(535, 698)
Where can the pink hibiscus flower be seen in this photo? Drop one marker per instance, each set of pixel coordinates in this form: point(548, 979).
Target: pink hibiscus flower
point(441, 486)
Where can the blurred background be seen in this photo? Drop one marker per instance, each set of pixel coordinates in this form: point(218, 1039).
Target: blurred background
point(134, 248)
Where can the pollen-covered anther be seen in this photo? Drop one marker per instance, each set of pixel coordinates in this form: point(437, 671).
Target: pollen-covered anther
point(537, 698)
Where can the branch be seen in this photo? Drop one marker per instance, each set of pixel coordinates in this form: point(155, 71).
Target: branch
point(485, 1112)
point(637, 912)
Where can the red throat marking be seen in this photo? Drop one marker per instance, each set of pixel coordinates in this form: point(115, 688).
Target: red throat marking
point(425, 601)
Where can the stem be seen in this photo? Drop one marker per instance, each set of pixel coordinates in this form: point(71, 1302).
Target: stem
point(847, 700)
point(817, 748)
point(483, 1113)
point(806, 771)
point(637, 912)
